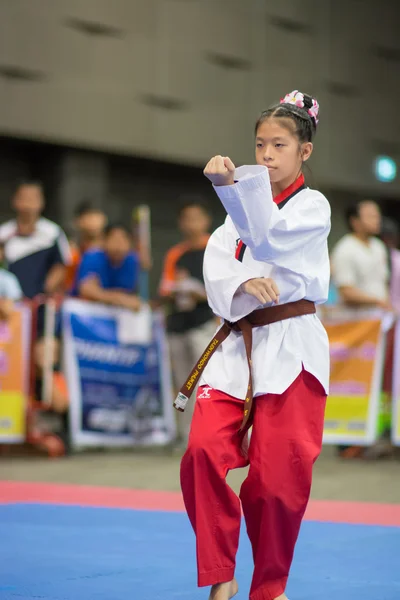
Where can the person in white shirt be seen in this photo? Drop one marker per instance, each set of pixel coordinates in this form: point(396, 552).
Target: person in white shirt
point(360, 260)
point(267, 263)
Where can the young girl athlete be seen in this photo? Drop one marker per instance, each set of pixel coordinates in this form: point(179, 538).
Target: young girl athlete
point(265, 269)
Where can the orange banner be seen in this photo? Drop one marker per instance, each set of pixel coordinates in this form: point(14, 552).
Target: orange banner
point(14, 362)
point(356, 350)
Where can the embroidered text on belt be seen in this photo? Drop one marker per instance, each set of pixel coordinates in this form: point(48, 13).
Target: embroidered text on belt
point(258, 318)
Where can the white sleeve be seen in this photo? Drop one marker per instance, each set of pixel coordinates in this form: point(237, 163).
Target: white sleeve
point(64, 248)
point(7, 230)
point(224, 274)
point(284, 238)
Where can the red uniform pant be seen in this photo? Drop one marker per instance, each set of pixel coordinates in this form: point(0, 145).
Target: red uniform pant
point(285, 442)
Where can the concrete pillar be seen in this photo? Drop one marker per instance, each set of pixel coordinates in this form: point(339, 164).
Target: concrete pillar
point(81, 176)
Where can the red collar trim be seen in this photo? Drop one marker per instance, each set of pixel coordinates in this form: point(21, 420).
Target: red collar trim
point(291, 190)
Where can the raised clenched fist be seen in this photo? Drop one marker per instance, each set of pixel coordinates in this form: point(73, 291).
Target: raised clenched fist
point(220, 170)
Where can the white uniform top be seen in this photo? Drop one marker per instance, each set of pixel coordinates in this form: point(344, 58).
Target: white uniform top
point(288, 245)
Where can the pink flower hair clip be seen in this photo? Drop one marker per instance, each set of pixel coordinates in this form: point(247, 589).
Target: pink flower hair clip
point(314, 111)
point(297, 99)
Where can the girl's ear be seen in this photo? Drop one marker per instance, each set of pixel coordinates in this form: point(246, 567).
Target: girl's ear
point(306, 150)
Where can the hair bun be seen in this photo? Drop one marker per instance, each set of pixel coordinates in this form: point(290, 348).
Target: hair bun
point(304, 101)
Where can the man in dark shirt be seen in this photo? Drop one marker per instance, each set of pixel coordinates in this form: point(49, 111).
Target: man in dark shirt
point(190, 322)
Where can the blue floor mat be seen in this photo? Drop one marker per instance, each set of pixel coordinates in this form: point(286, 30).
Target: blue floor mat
point(73, 553)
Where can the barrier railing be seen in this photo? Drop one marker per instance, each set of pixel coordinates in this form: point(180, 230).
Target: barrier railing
point(40, 431)
point(119, 382)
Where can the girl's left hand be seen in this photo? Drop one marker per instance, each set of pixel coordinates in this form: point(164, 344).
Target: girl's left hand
point(220, 170)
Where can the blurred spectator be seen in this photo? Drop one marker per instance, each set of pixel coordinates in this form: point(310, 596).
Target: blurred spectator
point(10, 290)
point(89, 224)
point(36, 249)
point(359, 260)
point(110, 275)
point(190, 322)
point(361, 273)
point(390, 237)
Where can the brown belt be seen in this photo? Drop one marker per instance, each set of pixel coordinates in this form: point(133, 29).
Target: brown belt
point(258, 318)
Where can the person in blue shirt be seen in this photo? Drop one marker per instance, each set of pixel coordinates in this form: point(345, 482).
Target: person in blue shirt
point(110, 275)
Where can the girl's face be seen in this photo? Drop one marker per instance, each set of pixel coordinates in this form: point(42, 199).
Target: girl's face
point(279, 149)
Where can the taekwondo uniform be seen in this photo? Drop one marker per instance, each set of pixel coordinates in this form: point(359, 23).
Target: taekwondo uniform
point(283, 238)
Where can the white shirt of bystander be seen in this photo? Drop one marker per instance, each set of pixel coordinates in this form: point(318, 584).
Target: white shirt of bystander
point(362, 266)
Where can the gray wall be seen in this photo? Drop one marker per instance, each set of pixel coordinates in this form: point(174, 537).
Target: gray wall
point(181, 80)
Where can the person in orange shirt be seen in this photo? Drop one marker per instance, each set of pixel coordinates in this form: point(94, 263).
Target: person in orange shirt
point(190, 321)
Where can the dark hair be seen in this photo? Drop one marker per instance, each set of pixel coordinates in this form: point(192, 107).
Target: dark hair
point(194, 201)
point(86, 207)
point(353, 211)
point(305, 124)
point(109, 229)
point(30, 183)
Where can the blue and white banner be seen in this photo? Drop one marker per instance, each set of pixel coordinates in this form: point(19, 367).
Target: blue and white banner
point(118, 375)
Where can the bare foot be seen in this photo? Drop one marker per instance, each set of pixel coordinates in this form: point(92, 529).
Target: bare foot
point(224, 591)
